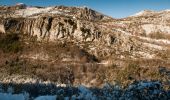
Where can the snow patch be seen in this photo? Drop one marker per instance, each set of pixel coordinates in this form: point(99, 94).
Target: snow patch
point(124, 32)
point(153, 46)
point(6, 96)
point(167, 10)
point(143, 13)
point(159, 41)
point(46, 98)
point(21, 79)
point(145, 55)
point(29, 11)
point(150, 28)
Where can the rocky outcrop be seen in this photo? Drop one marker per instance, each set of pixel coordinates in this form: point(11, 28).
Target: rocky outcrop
point(52, 28)
point(90, 14)
point(51, 23)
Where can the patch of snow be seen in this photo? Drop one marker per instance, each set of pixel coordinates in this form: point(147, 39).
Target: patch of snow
point(156, 41)
point(29, 11)
point(83, 90)
point(142, 85)
point(154, 46)
point(159, 41)
point(21, 79)
point(104, 62)
point(46, 98)
point(61, 85)
point(55, 12)
point(40, 56)
point(167, 10)
point(150, 28)
point(66, 11)
point(144, 90)
point(139, 13)
point(20, 4)
point(124, 32)
point(7, 96)
point(144, 12)
point(145, 55)
point(85, 94)
point(10, 90)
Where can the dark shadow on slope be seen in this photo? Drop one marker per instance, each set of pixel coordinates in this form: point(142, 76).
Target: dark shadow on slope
point(139, 90)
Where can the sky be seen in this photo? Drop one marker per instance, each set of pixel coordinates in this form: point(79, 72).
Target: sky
point(114, 8)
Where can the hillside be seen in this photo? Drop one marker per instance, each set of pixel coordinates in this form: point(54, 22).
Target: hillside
point(80, 46)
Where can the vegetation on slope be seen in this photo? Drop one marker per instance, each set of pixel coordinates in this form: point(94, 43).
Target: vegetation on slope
point(10, 43)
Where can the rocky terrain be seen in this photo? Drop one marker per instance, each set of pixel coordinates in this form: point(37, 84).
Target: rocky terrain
point(80, 46)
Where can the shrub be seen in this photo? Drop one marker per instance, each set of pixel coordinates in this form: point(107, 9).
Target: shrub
point(128, 74)
point(159, 35)
point(10, 43)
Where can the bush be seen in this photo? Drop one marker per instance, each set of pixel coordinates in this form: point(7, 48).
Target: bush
point(10, 43)
point(159, 35)
point(128, 74)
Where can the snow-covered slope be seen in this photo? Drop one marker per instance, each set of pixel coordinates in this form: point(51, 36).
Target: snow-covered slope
point(22, 10)
point(143, 13)
point(151, 13)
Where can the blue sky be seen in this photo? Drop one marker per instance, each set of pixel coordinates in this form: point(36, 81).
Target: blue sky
point(114, 8)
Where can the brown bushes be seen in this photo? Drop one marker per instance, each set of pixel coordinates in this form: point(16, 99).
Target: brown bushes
point(159, 35)
point(136, 71)
point(10, 43)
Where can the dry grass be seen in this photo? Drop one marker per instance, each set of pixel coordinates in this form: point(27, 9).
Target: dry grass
point(160, 35)
point(136, 71)
point(10, 43)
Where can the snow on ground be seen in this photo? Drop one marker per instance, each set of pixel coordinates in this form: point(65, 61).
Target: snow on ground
point(150, 28)
point(29, 11)
point(145, 90)
point(8, 96)
point(154, 46)
point(55, 12)
point(139, 13)
point(21, 79)
point(18, 79)
point(149, 12)
point(162, 41)
point(158, 41)
point(46, 98)
point(153, 42)
point(124, 32)
point(145, 55)
point(143, 13)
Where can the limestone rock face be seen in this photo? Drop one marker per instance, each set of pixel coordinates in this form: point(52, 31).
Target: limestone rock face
point(51, 23)
point(52, 28)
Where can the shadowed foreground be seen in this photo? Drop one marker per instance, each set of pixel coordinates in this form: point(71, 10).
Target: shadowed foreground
point(143, 90)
